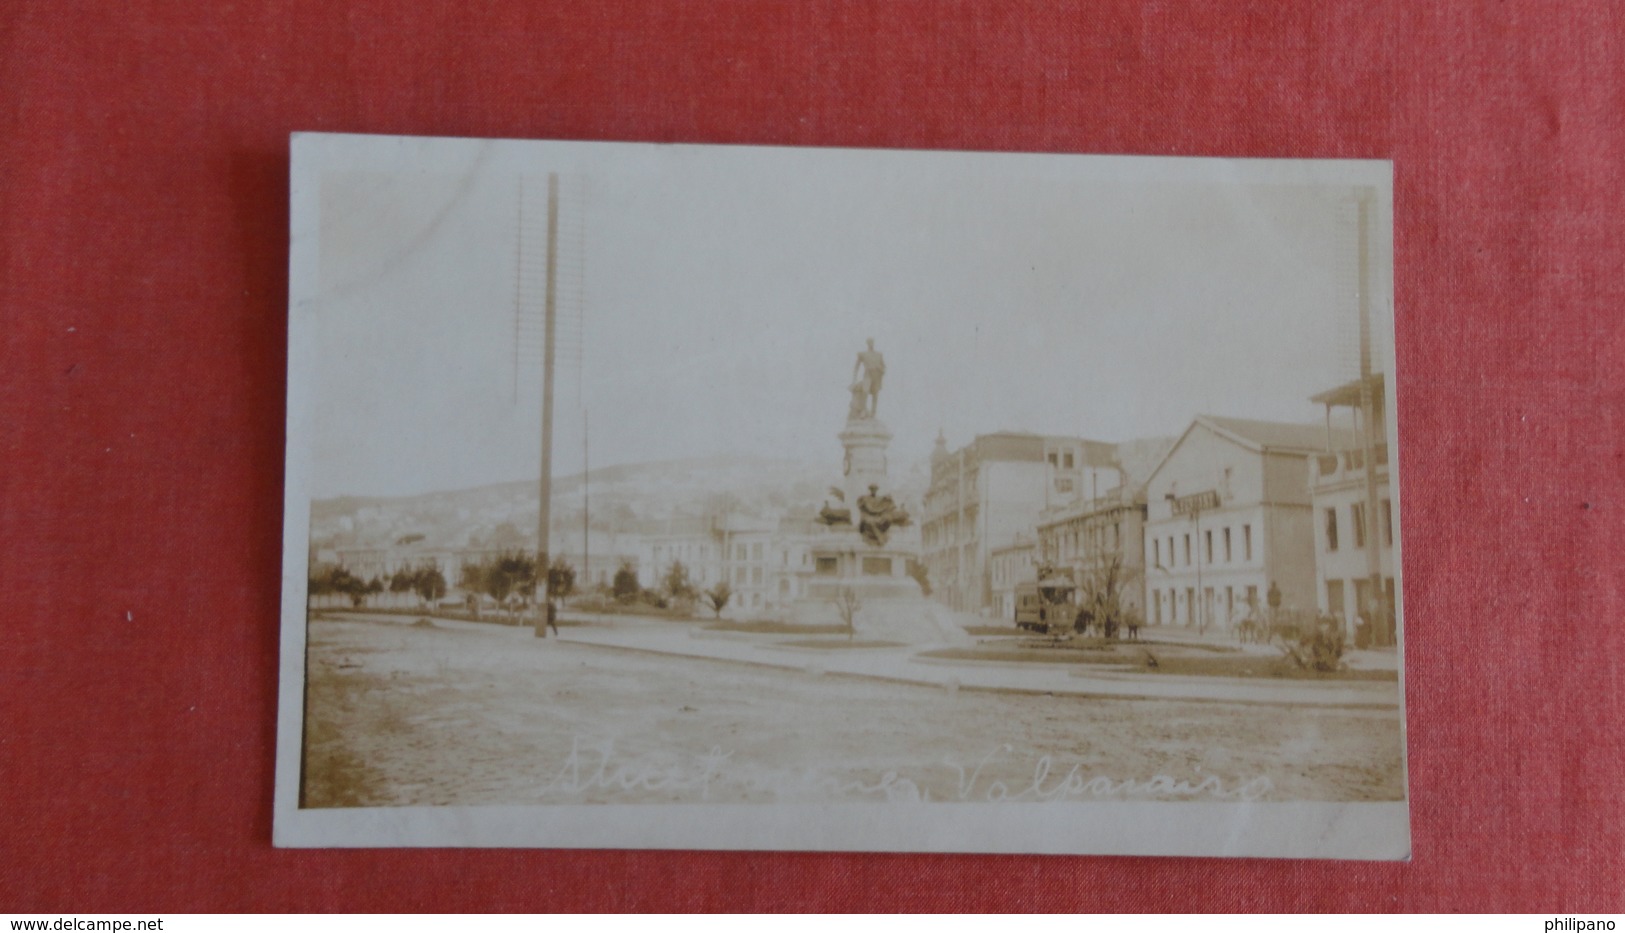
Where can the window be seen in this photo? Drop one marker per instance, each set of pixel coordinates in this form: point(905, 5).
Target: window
point(1357, 510)
point(1156, 552)
point(877, 566)
point(756, 575)
point(1187, 550)
point(1331, 529)
point(828, 567)
point(1066, 460)
point(756, 551)
point(1228, 557)
point(739, 576)
point(1170, 550)
point(1156, 607)
point(1207, 545)
point(1247, 543)
point(1387, 523)
point(739, 552)
point(1252, 596)
point(1052, 459)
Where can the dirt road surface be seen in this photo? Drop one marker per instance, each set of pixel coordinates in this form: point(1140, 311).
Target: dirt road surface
point(431, 715)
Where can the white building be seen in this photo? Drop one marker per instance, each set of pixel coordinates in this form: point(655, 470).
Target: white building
point(992, 489)
point(1229, 515)
point(1354, 555)
point(1089, 538)
point(1012, 565)
point(763, 560)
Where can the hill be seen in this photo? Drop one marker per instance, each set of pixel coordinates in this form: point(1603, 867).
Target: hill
point(619, 499)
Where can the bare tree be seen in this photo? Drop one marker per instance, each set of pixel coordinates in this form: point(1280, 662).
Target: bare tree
point(1102, 591)
point(848, 604)
point(718, 596)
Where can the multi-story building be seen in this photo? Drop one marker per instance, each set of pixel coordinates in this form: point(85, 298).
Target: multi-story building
point(1093, 538)
point(1012, 565)
point(984, 494)
point(693, 542)
point(763, 560)
point(1354, 550)
point(1229, 516)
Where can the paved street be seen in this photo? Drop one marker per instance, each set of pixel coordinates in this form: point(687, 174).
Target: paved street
point(905, 665)
point(652, 711)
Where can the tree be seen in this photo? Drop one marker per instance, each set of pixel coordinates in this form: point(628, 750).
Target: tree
point(677, 582)
point(338, 581)
point(626, 586)
point(402, 581)
point(502, 578)
point(921, 575)
point(471, 580)
point(364, 593)
point(717, 597)
point(1102, 589)
point(429, 583)
point(511, 575)
point(321, 580)
point(848, 604)
point(561, 579)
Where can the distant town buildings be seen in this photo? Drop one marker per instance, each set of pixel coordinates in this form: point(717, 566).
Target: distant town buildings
point(764, 561)
point(985, 493)
point(1196, 531)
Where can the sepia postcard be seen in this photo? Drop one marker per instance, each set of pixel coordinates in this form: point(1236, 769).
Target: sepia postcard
point(704, 497)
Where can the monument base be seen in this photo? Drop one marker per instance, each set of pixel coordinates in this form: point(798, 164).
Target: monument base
point(889, 603)
point(906, 620)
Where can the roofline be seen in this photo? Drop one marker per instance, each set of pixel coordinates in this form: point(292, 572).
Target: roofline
point(1240, 439)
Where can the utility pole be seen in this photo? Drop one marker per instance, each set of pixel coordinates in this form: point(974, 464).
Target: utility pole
point(544, 516)
point(1376, 608)
point(586, 505)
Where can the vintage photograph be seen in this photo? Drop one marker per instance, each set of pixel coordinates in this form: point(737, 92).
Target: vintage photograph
point(654, 496)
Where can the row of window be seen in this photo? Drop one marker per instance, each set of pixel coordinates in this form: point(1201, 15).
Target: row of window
point(1227, 541)
point(1175, 606)
point(696, 554)
point(1094, 538)
point(1358, 523)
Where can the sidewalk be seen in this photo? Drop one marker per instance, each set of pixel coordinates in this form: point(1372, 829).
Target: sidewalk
point(904, 664)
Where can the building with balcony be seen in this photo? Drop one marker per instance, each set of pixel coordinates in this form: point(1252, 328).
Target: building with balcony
point(1353, 511)
point(1229, 515)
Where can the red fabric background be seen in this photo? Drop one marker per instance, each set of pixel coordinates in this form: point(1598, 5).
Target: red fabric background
point(143, 286)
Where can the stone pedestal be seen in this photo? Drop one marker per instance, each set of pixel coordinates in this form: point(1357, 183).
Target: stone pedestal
point(891, 606)
point(865, 440)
